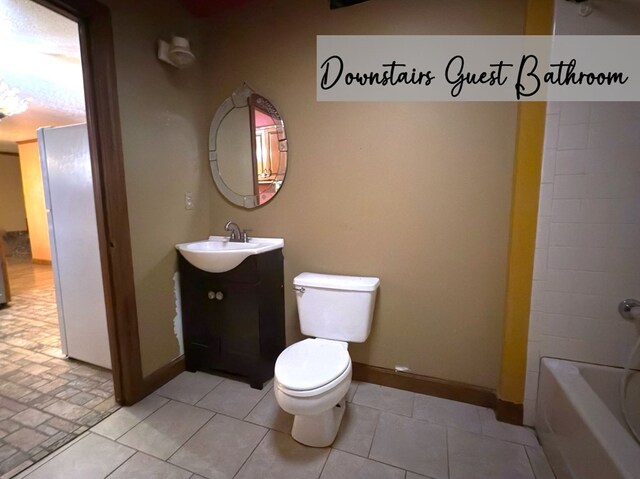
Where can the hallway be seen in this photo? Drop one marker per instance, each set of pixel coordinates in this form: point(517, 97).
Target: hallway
point(45, 399)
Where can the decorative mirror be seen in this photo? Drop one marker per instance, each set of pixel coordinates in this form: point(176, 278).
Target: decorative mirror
point(247, 149)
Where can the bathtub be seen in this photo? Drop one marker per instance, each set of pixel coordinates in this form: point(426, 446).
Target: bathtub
point(580, 424)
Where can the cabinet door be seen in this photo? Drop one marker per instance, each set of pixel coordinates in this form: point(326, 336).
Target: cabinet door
point(239, 327)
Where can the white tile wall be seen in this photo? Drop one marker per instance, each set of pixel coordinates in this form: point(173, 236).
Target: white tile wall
point(588, 245)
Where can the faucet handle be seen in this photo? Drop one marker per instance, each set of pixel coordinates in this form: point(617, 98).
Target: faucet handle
point(245, 236)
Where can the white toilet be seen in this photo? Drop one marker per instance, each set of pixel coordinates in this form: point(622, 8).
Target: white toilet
point(312, 376)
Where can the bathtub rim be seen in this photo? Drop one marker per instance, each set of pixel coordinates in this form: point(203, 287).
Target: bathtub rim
point(621, 447)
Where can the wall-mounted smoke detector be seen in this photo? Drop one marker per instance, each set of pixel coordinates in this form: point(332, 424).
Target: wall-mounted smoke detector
point(177, 53)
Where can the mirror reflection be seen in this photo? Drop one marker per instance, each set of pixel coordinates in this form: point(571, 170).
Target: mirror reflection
point(248, 149)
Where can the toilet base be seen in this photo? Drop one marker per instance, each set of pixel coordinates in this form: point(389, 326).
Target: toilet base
point(319, 430)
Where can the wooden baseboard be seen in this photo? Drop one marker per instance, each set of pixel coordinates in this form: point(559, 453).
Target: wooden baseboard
point(505, 411)
point(163, 375)
point(41, 261)
point(425, 385)
point(509, 412)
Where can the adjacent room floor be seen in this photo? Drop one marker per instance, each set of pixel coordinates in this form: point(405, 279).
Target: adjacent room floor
point(200, 425)
point(46, 401)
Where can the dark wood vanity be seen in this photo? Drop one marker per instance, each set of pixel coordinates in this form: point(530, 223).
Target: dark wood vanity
point(234, 321)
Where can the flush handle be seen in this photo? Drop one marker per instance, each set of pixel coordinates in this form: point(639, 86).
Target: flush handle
point(299, 289)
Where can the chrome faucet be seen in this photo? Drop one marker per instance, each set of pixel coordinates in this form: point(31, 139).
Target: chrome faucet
point(236, 235)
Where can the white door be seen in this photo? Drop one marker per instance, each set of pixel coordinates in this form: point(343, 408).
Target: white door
point(73, 233)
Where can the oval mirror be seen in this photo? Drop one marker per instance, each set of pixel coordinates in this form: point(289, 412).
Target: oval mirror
point(247, 149)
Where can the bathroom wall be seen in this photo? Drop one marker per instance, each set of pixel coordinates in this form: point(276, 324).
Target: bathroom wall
point(418, 194)
point(164, 133)
point(12, 214)
point(33, 192)
point(588, 243)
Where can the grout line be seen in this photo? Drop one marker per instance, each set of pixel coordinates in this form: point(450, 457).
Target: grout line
point(256, 405)
point(413, 403)
point(253, 451)
point(153, 457)
point(190, 437)
point(123, 462)
point(446, 437)
point(324, 464)
point(373, 437)
point(533, 471)
point(34, 467)
point(134, 425)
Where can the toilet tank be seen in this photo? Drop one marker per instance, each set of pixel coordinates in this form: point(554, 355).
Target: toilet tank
point(335, 307)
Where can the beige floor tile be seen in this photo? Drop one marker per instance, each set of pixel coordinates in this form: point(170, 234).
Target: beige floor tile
point(472, 456)
point(352, 390)
point(384, 398)
point(539, 463)
point(342, 465)
point(447, 413)
point(92, 457)
point(278, 456)
point(357, 429)
point(506, 432)
point(411, 444)
point(142, 466)
point(219, 449)
point(232, 398)
point(189, 387)
point(413, 475)
point(164, 431)
point(269, 414)
point(126, 418)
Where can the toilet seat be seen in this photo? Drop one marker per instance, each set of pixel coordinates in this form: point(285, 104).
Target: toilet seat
point(312, 366)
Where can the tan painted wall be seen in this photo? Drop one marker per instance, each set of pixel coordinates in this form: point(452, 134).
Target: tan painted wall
point(164, 132)
point(416, 193)
point(13, 216)
point(33, 190)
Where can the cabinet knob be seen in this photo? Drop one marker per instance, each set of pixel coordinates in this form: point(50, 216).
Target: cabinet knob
point(219, 296)
point(211, 295)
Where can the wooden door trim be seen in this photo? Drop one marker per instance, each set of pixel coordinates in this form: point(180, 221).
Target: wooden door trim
point(107, 162)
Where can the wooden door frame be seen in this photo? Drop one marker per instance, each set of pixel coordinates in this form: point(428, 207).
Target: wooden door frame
point(107, 165)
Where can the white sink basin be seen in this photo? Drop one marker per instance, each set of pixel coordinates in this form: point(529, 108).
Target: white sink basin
point(218, 254)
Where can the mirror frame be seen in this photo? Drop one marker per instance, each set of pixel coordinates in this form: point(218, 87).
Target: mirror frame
point(241, 98)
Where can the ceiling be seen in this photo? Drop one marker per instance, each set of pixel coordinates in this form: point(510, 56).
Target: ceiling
point(40, 57)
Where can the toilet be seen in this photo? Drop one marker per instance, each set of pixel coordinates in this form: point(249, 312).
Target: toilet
point(312, 376)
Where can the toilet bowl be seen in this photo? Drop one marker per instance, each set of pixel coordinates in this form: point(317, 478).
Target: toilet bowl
point(312, 377)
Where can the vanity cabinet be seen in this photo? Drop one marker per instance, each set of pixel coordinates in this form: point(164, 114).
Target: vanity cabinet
point(234, 321)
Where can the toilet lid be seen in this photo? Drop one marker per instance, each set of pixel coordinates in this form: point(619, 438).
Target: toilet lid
point(311, 363)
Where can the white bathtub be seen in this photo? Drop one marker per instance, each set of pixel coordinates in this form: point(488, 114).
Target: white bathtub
point(579, 421)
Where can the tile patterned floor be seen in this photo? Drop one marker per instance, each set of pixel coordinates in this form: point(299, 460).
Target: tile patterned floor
point(204, 426)
point(46, 400)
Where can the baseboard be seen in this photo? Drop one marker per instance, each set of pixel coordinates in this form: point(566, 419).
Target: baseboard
point(425, 385)
point(41, 261)
point(509, 412)
point(162, 375)
point(505, 411)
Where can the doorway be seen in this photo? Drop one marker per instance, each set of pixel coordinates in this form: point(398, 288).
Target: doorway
point(98, 65)
point(42, 95)
point(48, 400)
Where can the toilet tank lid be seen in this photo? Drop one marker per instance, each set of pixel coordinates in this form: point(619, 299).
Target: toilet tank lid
point(334, 281)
